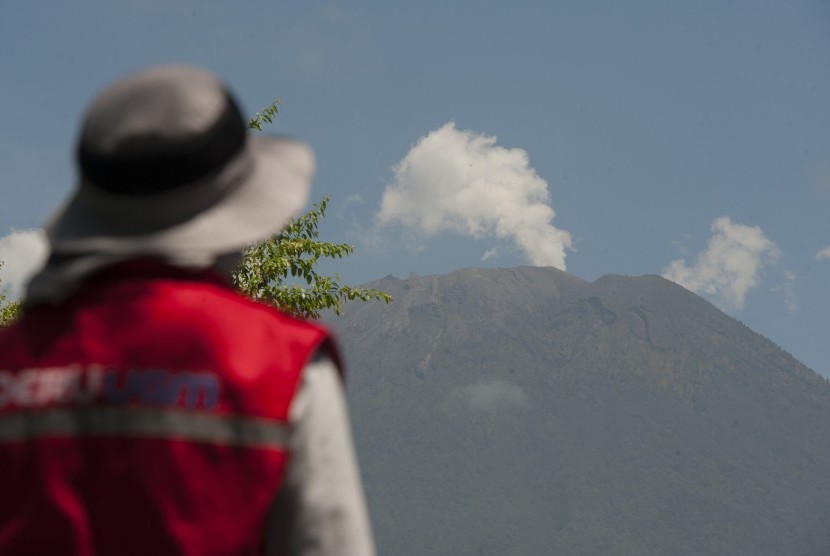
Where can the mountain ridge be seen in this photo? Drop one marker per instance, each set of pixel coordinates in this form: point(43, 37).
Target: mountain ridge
point(528, 411)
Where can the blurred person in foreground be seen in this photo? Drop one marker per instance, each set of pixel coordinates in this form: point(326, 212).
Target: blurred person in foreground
point(145, 406)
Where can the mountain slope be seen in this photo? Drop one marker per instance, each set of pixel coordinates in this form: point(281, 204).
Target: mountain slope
point(526, 411)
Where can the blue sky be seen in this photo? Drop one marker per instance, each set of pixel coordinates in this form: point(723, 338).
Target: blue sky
point(688, 139)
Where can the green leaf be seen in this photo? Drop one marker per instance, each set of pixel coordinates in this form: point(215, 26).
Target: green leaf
point(267, 115)
point(9, 310)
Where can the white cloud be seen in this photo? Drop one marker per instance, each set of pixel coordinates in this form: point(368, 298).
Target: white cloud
point(22, 252)
point(730, 265)
point(492, 394)
point(824, 254)
point(463, 182)
point(490, 254)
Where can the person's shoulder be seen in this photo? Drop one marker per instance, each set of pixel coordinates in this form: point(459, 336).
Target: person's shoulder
point(261, 326)
point(13, 340)
point(224, 301)
point(9, 332)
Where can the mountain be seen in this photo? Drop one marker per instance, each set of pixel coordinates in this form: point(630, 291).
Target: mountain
point(525, 411)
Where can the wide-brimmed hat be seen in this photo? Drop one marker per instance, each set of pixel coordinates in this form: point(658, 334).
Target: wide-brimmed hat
point(167, 167)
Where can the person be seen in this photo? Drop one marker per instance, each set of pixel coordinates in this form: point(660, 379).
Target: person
point(145, 406)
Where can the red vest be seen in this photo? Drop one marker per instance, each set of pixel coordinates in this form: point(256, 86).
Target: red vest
point(146, 415)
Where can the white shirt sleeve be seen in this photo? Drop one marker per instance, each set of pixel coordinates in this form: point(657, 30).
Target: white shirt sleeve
point(320, 509)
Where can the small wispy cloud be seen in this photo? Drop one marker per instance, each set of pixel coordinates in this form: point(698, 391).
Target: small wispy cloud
point(824, 254)
point(22, 253)
point(490, 254)
point(344, 209)
point(463, 182)
point(787, 288)
point(492, 394)
point(731, 264)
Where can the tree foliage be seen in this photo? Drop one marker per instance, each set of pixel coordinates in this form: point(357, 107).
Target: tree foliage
point(266, 116)
point(282, 270)
point(9, 310)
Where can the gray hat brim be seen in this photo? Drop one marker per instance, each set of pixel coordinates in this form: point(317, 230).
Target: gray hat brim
point(248, 200)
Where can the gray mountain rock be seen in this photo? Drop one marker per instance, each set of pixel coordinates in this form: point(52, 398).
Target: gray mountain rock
point(526, 411)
